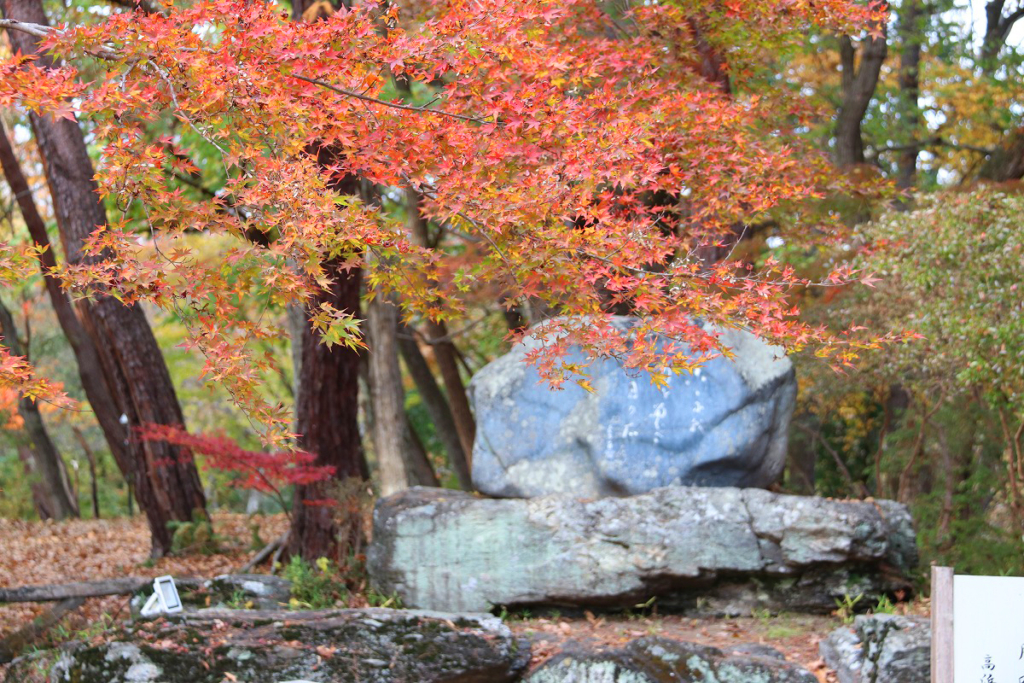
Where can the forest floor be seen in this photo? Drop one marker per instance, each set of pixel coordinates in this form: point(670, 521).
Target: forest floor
point(33, 553)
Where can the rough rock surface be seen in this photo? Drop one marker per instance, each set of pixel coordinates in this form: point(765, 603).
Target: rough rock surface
point(662, 660)
point(709, 550)
point(724, 425)
point(340, 646)
point(880, 647)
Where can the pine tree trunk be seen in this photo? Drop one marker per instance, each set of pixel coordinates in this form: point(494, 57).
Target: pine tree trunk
point(165, 479)
point(327, 410)
point(327, 401)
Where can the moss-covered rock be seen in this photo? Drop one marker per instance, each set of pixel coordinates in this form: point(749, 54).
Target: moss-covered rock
point(338, 646)
point(705, 550)
point(663, 660)
point(880, 647)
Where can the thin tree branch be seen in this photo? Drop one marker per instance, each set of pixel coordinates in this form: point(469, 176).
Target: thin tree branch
point(393, 105)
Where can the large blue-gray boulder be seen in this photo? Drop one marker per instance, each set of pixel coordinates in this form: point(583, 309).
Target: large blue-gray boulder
point(723, 425)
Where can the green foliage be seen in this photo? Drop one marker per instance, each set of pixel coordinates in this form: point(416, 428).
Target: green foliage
point(239, 600)
point(378, 599)
point(953, 273)
point(846, 607)
point(196, 536)
point(255, 542)
point(884, 606)
point(315, 586)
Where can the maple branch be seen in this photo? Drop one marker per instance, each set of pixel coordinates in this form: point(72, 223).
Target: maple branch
point(37, 30)
point(393, 105)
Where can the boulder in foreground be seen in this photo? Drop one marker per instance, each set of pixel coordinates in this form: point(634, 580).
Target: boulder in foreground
point(663, 660)
point(337, 646)
point(701, 550)
point(880, 647)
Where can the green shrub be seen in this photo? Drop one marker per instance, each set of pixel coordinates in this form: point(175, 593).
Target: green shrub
point(196, 536)
point(315, 586)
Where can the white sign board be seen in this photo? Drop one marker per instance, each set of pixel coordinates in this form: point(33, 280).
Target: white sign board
point(988, 629)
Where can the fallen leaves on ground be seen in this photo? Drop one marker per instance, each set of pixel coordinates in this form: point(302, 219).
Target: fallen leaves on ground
point(34, 553)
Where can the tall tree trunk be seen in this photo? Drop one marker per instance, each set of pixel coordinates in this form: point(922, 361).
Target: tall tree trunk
point(165, 479)
point(859, 83)
point(911, 34)
point(400, 465)
point(90, 370)
point(444, 350)
point(327, 401)
point(327, 411)
point(46, 460)
point(436, 404)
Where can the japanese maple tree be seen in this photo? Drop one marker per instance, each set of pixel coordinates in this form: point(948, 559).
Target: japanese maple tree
point(580, 159)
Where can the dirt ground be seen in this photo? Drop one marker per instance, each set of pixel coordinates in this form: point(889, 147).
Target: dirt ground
point(34, 553)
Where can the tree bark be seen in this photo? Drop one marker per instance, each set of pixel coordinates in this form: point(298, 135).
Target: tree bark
point(436, 404)
point(90, 370)
point(386, 396)
point(327, 400)
point(911, 32)
point(166, 482)
point(400, 465)
point(46, 460)
point(858, 85)
point(327, 410)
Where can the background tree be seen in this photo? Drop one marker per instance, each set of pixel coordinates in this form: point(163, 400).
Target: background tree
point(165, 479)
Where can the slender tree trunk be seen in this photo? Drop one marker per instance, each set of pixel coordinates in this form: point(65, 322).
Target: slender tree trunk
point(399, 464)
point(911, 33)
point(444, 350)
point(418, 458)
point(93, 484)
point(45, 459)
point(436, 404)
point(386, 396)
point(165, 479)
point(858, 89)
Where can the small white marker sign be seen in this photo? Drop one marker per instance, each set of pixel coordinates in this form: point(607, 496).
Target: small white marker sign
point(988, 629)
point(164, 599)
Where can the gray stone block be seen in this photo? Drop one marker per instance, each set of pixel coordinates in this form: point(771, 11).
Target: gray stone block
point(716, 550)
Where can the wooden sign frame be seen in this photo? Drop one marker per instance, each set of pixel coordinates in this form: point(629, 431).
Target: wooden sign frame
point(942, 625)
